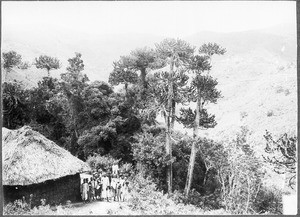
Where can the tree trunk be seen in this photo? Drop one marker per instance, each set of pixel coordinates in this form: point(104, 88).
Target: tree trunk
point(143, 82)
point(173, 114)
point(169, 129)
point(168, 139)
point(48, 71)
point(205, 176)
point(8, 122)
point(169, 153)
point(74, 116)
point(126, 90)
point(193, 148)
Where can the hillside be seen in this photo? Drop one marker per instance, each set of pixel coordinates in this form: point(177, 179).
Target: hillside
point(98, 51)
point(257, 75)
point(259, 91)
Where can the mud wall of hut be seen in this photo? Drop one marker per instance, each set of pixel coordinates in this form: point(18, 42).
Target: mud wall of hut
point(54, 191)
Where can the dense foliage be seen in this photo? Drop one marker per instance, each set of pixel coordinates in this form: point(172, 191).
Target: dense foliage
point(20, 207)
point(11, 59)
point(47, 62)
point(103, 126)
point(281, 154)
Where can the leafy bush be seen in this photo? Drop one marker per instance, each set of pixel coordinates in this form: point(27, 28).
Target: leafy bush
point(105, 163)
point(287, 92)
point(280, 68)
point(24, 65)
point(146, 200)
point(11, 59)
point(148, 152)
point(15, 109)
point(269, 200)
point(281, 154)
point(243, 115)
point(182, 151)
point(279, 89)
point(240, 176)
point(126, 168)
point(206, 202)
point(270, 113)
point(20, 207)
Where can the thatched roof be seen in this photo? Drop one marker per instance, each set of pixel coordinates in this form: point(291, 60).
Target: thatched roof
point(29, 158)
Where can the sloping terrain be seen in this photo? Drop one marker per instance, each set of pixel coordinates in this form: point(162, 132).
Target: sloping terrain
point(259, 91)
point(257, 75)
point(98, 51)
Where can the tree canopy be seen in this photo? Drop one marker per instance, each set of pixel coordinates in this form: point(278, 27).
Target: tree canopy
point(11, 59)
point(101, 124)
point(47, 62)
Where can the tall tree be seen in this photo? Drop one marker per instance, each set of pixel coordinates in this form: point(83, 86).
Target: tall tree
point(45, 114)
point(74, 81)
point(123, 74)
point(202, 90)
point(15, 109)
point(143, 59)
point(11, 59)
point(175, 53)
point(47, 62)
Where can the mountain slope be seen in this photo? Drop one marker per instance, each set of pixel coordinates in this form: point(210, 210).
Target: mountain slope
point(98, 51)
point(257, 75)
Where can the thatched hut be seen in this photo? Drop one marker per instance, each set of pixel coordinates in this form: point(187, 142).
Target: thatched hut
point(32, 164)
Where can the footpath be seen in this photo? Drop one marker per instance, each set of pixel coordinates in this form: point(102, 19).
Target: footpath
point(94, 208)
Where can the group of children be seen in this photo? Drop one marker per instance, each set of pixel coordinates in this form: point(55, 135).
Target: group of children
point(105, 187)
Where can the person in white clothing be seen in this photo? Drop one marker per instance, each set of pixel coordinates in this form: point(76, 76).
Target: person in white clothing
point(105, 187)
point(115, 169)
point(125, 190)
point(85, 188)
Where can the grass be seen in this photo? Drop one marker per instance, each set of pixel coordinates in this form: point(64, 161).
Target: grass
point(19, 207)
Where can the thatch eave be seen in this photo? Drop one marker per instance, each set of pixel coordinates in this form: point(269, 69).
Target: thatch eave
point(30, 158)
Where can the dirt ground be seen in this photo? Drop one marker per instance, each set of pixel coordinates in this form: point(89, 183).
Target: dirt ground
point(93, 208)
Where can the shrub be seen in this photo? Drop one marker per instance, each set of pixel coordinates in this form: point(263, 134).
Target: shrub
point(182, 151)
point(11, 59)
point(287, 92)
point(281, 154)
point(146, 200)
point(126, 168)
point(244, 114)
point(269, 200)
point(105, 162)
point(280, 68)
point(279, 89)
point(240, 176)
point(206, 202)
point(20, 207)
point(270, 113)
point(149, 152)
point(24, 65)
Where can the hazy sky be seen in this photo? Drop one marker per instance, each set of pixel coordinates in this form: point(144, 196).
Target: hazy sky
point(171, 18)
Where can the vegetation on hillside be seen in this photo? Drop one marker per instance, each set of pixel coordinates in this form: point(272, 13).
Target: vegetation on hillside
point(102, 126)
point(47, 62)
point(11, 59)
